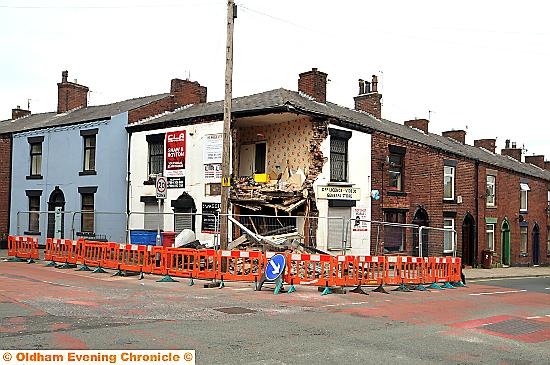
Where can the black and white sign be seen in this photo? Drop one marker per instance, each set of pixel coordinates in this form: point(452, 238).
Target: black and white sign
point(161, 187)
point(210, 213)
point(176, 182)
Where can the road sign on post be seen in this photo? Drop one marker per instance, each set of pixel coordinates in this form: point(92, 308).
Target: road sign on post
point(161, 185)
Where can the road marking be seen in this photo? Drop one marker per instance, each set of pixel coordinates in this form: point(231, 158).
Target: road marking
point(341, 304)
point(501, 292)
point(547, 288)
point(534, 317)
point(501, 279)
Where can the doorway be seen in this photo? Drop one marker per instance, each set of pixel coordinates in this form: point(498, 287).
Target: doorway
point(56, 217)
point(252, 159)
point(421, 218)
point(505, 229)
point(536, 244)
point(468, 240)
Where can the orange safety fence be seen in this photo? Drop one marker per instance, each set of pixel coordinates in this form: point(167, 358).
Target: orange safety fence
point(249, 266)
point(181, 262)
point(241, 265)
point(23, 247)
point(207, 266)
point(58, 249)
point(372, 270)
point(309, 269)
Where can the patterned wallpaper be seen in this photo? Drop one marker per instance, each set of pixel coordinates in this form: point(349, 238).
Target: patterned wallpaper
point(287, 142)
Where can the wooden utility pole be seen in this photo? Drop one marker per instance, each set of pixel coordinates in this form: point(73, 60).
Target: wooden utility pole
point(226, 151)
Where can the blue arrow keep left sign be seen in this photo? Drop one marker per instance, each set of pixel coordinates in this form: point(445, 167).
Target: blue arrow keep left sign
point(275, 267)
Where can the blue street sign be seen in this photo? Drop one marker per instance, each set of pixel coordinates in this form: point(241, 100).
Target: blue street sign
point(275, 267)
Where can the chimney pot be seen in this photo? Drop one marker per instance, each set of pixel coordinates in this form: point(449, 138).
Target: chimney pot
point(513, 144)
point(361, 86)
point(374, 84)
point(64, 76)
point(507, 144)
point(370, 100)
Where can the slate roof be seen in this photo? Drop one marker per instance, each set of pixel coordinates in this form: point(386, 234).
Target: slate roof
point(77, 116)
point(279, 100)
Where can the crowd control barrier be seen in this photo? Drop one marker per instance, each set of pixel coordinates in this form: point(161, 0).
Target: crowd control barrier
point(248, 266)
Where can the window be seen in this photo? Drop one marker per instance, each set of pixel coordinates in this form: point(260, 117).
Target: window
point(87, 207)
point(394, 237)
point(34, 218)
point(396, 172)
point(449, 183)
point(36, 159)
point(524, 188)
point(523, 240)
point(491, 186)
point(152, 220)
point(89, 153)
point(448, 235)
point(155, 163)
point(490, 236)
point(338, 159)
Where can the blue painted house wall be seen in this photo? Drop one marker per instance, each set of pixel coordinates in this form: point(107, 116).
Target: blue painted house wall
point(62, 161)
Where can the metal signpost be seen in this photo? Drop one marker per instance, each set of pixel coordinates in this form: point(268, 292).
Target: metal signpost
point(161, 187)
point(273, 272)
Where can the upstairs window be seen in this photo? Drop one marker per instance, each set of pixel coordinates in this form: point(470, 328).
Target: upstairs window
point(89, 146)
point(155, 162)
point(35, 158)
point(491, 190)
point(448, 182)
point(524, 189)
point(396, 172)
point(339, 155)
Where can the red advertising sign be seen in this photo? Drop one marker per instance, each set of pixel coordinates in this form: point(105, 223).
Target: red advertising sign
point(175, 153)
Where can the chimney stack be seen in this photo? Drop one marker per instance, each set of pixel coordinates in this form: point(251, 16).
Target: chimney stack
point(513, 152)
point(314, 83)
point(459, 135)
point(19, 113)
point(70, 95)
point(187, 92)
point(369, 100)
point(536, 160)
point(421, 124)
point(488, 144)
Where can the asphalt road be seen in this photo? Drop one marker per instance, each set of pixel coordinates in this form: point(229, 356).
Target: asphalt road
point(47, 308)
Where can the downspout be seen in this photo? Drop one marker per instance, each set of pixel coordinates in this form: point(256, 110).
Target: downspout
point(128, 186)
point(476, 223)
point(9, 185)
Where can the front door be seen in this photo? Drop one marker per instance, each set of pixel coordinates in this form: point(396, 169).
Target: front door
point(505, 243)
point(468, 240)
point(536, 245)
point(58, 232)
point(246, 159)
point(56, 217)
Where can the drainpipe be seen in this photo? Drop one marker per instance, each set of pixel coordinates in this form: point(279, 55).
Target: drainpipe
point(128, 185)
point(9, 185)
point(476, 225)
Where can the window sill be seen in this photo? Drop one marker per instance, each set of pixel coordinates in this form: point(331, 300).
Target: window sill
point(449, 201)
point(339, 183)
point(34, 177)
point(491, 207)
point(32, 233)
point(85, 173)
point(396, 193)
point(523, 212)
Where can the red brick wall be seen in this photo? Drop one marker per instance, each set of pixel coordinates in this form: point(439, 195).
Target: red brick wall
point(151, 109)
point(314, 84)
point(71, 96)
point(423, 185)
point(507, 206)
point(5, 177)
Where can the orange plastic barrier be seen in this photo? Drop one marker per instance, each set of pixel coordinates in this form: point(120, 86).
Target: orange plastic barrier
point(412, 271)
point(155, 260)
point(94, 253)
point(241, 265)
point(372, 270)
point(58, 249)
point(347, 271)
point(181, 262)
point(207, 265)
point(456, 269)
point(23, 247)
point(438, 269)
point(309, 269)
point(133, 258)
point(112, 259)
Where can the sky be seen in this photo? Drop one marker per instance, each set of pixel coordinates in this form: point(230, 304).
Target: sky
point(481, 66)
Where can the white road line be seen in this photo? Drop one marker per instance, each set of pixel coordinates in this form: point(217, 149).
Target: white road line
point(342, 304)
point(534, 317)
point(501, 292)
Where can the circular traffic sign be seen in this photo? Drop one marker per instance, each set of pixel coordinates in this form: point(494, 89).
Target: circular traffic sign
point(275, 267)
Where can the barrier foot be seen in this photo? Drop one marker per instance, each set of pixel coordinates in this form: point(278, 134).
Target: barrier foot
point(167, 279)
point(326, 291)
point(359, 290)
point(448, 285)
point(222, 285)
point(402, 288)
point(380, 289)
point(291, 289)
point(119, 273)
point(420, 287)
point(84, 267)
point(458, 283)
point(191, 282)
point(15, 259)
point(30, 261)
point(99, 270)
point(65, 266)
point(140, 277)
point(435, 286)
point(278, 287)
point(50, 264)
